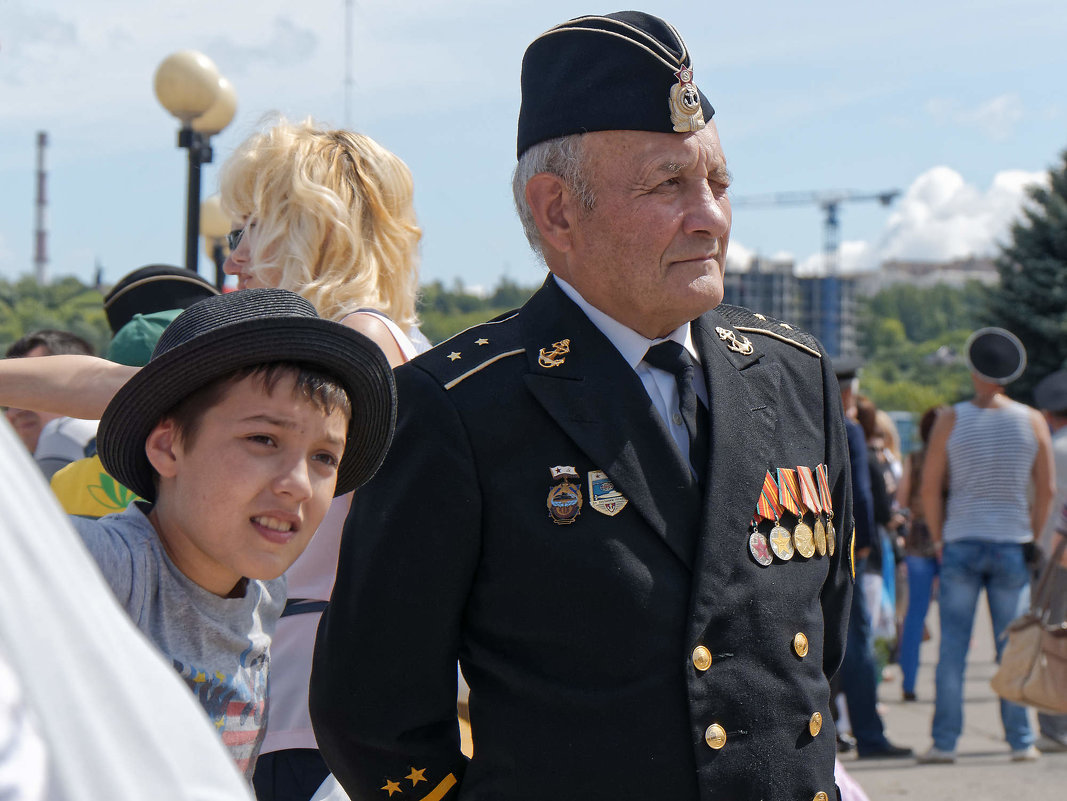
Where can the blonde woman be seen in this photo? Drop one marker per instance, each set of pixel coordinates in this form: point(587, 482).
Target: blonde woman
point(327, 214)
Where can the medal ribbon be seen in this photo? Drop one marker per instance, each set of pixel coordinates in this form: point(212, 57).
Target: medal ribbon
point(788, 490)
point(768, 507)
point(808, 491)
point(824, 489)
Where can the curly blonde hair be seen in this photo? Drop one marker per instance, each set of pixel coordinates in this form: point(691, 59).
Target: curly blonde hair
point(334, 218)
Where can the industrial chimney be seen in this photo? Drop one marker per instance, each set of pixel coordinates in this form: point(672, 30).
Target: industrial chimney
point(40, 251)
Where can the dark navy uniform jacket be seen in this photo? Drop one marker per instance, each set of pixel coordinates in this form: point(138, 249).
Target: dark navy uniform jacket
point(641, 655)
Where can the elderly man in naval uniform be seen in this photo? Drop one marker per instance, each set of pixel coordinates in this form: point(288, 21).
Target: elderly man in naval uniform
point(623, 508)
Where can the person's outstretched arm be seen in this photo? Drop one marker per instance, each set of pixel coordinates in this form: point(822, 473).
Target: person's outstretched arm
point(75, 386)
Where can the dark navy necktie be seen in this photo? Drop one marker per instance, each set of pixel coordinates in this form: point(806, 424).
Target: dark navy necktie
point(671, 357)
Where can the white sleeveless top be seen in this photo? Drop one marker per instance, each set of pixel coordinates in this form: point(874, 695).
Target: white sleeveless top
point(990, 457)
point(311, 577)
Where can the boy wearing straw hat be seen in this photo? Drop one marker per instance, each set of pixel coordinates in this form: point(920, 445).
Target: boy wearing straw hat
point(251, 415)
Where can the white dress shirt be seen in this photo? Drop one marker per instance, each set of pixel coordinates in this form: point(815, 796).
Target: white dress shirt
point(661, 386)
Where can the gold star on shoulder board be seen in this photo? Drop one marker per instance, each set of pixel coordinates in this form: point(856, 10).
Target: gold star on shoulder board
point(392, 787)
point(482, 341)
point(416, 776)
point(453, 356)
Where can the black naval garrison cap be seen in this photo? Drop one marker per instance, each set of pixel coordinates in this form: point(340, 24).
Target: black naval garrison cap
point(154, 288)
point(846, 367)
point(1050, 394)
point(627, 71)
point(995, 355)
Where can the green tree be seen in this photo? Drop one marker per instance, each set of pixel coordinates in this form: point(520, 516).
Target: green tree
point(1031, 300)
point(444, 312)
point(66, 304)
point(911, 338)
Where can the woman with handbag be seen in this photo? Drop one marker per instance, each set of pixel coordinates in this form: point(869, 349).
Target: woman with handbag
point(987, 451)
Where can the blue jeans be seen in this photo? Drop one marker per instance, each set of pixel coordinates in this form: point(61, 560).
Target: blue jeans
point(859, 674)
point(921, 572)
point(966, 567)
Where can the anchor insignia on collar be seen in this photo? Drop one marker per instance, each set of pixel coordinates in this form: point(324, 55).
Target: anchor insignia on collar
point(556, 356)
point(737, 344)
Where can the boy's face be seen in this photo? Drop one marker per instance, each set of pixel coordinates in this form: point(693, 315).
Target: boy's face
point(243, 498)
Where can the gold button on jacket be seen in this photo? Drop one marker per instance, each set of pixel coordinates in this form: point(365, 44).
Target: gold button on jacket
point(701, 658)
point(715, 736)
point(821, 796)
point(815, 724)
point(800, 644)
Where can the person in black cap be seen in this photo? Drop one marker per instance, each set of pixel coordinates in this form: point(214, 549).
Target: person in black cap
point(988, 452)
point(153, 288)
point(858, 679)
point(625, 511)
point(1050, 396)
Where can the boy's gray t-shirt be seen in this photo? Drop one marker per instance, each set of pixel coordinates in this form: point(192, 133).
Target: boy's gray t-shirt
point(218, 645)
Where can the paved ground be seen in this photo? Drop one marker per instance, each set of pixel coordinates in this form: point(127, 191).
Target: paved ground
point(983, 769)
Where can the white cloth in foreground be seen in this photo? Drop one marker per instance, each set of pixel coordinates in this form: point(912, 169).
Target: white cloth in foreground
point(113, 719)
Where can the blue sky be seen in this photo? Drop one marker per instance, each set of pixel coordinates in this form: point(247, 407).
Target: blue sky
point(957, 104)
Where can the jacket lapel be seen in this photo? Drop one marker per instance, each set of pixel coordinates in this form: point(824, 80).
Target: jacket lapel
point(601, 404)
point(743, 393)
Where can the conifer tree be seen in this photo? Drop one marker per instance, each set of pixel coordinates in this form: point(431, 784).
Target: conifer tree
point(1031, 300)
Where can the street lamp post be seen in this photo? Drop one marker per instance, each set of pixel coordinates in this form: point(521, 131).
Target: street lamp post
point(214, 226)
point(188, 85)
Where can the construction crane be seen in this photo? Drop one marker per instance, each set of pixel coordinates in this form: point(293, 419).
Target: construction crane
point(828, 200)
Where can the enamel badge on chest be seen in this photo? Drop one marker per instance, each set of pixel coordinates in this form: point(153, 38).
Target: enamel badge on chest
point(603, 496)
point(686, 113)
point(564, 496)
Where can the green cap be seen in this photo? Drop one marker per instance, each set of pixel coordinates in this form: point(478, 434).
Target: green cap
point(135, 341)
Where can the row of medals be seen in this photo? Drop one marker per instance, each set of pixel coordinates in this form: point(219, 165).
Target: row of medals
point(804, 540)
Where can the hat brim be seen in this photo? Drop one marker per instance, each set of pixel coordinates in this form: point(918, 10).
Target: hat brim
point(346, 355)
point(1004, 363)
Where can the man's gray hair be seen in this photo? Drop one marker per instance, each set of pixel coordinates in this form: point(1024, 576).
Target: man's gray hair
point(563, 156)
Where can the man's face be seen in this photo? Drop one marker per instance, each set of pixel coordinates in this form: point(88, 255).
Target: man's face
point(28, 423)
point(651, 252)
point(245, 496)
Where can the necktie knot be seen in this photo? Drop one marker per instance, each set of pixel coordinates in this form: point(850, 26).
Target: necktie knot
point(671, 357)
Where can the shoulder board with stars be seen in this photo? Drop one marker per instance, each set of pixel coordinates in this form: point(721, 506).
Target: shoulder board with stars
point(471, 351)
point(750, 322)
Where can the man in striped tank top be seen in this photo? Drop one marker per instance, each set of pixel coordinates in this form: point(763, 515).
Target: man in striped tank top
point(987, 451)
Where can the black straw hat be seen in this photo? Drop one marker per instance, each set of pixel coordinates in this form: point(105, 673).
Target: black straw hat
point(627, 71)
point(225, 333)
point(995, 355)
point(154, 288)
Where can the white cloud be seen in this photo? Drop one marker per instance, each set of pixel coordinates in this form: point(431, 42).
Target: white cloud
point(996, 117)
point(738, 257)
point(287, 45)
point(852, 256)
point(942, 217)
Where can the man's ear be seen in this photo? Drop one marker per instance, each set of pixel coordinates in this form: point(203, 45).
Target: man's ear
point(554, 210)
point(161, 448)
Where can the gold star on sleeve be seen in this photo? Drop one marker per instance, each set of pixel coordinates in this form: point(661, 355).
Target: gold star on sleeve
point(392, 787)
point(453, 356)
point(416, 776)
point(482, 341)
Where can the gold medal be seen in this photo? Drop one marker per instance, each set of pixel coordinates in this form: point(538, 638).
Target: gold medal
point(804, 540)
point(819, 533)
point(831, 536)
point(782, 542)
